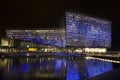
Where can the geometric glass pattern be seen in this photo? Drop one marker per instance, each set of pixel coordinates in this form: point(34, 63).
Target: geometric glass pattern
point(85, 31)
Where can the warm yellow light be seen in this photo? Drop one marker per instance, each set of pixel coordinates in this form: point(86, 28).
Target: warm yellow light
point(32, 49)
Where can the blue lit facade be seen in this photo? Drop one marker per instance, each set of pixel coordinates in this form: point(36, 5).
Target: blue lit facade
point(85, 31)
point(47, 37)
point(80, 31)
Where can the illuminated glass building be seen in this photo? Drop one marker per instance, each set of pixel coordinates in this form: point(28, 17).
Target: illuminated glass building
point(85, 31)
point(78, 31)
point(48, 37)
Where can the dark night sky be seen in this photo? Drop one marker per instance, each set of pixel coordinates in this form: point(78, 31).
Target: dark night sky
point(49, 12)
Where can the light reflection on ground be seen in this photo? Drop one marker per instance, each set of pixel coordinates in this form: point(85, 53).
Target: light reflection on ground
point(71, 68)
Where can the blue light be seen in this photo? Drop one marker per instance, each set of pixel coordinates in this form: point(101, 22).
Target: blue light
point(25, 68)
point(58, 65)
point(72, 72)
point(39, 40)
point(96, 67)
point(27, 38)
